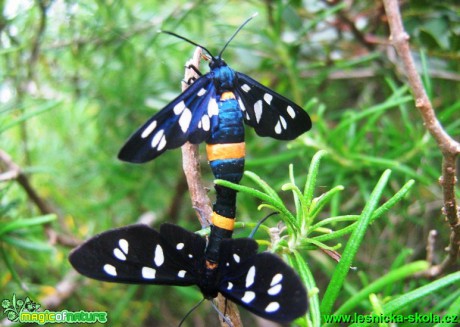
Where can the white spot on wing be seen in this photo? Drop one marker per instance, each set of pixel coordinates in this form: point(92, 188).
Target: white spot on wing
point(242, 107)
point(245, 88)
point(278, 128)
point(250, 276)
point(248, 296)
point(119, 254)
point(213, 109)
point(258, 110)
point(206, 124)
point(109, 269)
point(230, 286)
point(162, 143)
point(180, 246)
point(149, 129)
point(291, 111)
point(148, 273)
point(124, 245)
point(274, 290)
point(159, 256)
point(268, 98)
point(185, 119)
point(280, 125)
point(283, 122)
point(190, 256)
point(201, 92)
point(178, 108)
point(181, 273)
point(272, 307)
point(236, 257)
point(276, 279)
point(157, 138)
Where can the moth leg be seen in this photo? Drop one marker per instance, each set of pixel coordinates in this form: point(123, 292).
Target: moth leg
point(222, 315)
point(195, 69)
point(253, 232)
point(190, 81)
point(194, 73)
point(226, 304)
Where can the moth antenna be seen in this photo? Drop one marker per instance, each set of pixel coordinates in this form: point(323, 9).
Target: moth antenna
point(190, 311)
point(186, 40)
point(260, 223)
point(236, 32)
point(224, 317)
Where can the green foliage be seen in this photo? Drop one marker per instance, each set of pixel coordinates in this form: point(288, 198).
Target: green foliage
point(301, 230)
point(75, 85)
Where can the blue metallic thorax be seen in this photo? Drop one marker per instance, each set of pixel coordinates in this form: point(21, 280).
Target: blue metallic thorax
point(223, 76)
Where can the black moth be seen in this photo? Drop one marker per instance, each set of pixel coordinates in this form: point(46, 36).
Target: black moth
point(260, 282)
point(194, 115)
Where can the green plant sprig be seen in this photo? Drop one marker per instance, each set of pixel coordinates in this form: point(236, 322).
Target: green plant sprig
point(304, 230)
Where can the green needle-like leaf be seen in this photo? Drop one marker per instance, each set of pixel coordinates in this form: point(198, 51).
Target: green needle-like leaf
point(379, 284)
point(310, 183)
point(24, 223)
point(352, 247)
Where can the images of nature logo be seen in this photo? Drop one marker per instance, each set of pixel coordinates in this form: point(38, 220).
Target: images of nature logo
point(13, 308)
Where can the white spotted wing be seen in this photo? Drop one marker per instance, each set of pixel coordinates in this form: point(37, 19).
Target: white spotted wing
point(262, 283)
point(268, 112)
point(189, 117)
point(141, 255)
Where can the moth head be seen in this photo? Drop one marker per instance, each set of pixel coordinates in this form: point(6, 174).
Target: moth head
point(217, 62)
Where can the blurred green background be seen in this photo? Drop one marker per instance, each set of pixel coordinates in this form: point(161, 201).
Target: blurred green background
point(78, 77)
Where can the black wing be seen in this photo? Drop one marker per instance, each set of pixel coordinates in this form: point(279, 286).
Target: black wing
point(189, 117)
point(262, 283)
point(139, 254)
point(268, 112)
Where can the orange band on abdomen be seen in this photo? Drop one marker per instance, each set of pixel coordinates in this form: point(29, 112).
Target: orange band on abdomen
point(226, 151)
point(222, 222)
point(211, 265)
point(227, 95)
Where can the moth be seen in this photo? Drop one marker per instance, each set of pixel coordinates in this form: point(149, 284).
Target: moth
point(196, 116)
point(260, 282)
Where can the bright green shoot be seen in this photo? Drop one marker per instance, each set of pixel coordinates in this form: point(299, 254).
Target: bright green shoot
point(308, 229)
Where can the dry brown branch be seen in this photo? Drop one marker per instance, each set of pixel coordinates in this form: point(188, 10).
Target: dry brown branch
point(63, 290)
point(430, 246)
point(37, 40)
point(371, 72)
point(198, 194)
point(191, 158)
point(447, 145)
point(13, 171)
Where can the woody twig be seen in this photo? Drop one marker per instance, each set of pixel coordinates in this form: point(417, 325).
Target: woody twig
point(446, 144)
point(198, 194)
point(12, 171)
